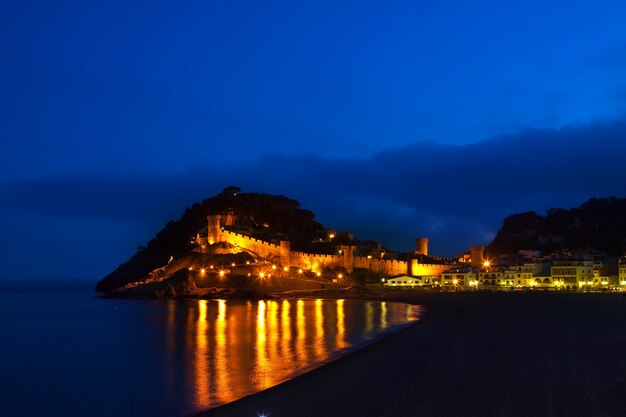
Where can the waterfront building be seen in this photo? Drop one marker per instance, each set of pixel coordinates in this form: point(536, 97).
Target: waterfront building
point(519, 276)
point(491, 277)
point(403, 281)
point(572, 274)
point(460, 277)
point(622, 273)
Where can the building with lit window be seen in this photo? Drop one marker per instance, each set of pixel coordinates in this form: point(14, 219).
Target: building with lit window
point(492, 277)
point(622, 273)
point(463, 278)
point(519, 276)
point(572, 274)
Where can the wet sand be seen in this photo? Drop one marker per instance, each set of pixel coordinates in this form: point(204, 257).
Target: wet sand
point(475, 354)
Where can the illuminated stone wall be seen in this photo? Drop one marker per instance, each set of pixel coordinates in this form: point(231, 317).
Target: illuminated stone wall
point(315, 261)
point(260, 247)
point(387, 266)
point(426, 270)
point(283, 256)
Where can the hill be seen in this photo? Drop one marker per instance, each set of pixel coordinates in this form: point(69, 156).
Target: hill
point(599, 224)
point(268, 216)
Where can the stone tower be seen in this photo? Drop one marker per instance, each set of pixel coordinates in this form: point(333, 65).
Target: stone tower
point(477, 256)
point(348, 257)
point(214, 229)
point(421, 246)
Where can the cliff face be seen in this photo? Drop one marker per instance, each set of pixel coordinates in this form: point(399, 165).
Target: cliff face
point(598, 224)
point(276, 217)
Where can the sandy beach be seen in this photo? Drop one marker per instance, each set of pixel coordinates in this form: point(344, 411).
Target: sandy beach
point(474, 354)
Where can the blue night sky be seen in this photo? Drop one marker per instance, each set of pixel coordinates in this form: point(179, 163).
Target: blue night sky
point(392, 120)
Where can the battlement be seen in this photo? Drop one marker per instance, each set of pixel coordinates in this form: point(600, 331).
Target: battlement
point(254, 240)
point(283, 255)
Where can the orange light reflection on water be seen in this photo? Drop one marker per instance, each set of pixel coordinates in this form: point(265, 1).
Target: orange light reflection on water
point(239, 348)
point(341, 326)
point(261, 347)
point(224, 392)
point(202, 363)
point(319, 346)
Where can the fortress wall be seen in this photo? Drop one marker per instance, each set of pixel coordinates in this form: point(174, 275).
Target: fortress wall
point(261, 247)
point(387, 266)
point(315, 261)
point(362, 262)
point(312, 261)
point(434, 270)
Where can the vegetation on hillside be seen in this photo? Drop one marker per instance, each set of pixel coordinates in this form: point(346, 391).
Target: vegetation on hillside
point(599, 224)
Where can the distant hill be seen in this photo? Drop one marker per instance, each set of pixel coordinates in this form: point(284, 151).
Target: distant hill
point(598, 224)
point(267, 216)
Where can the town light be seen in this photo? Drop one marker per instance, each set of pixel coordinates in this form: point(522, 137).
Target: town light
point(222, 273)
point(273, 266)
point(455, 281)
point(285, 269)
point(299, 271)
point(261, 274)
point(319, 274)
point(340, 276)
point(487, 263)
point(202, 271)
point(233, 264)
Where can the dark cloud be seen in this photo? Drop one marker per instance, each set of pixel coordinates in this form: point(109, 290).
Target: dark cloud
point(456, 195)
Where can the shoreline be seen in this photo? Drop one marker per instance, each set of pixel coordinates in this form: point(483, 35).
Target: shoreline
point(471, 354)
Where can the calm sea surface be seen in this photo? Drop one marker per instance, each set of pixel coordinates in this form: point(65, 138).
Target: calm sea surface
point(69, 354)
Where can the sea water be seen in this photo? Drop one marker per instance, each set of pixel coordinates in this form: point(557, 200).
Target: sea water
point(67, 353)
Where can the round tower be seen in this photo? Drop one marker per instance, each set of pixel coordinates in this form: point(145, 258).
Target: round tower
point(421, 246)
point(214, 229)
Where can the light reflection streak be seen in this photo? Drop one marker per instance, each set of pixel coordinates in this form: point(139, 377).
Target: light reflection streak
point(222, 372)
point(383, 315)
point(341, 325)
point(273, 341)
point(319, 345)
point(285, 333)
point(202, 363)
point(261, 346)
point(300, 331)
